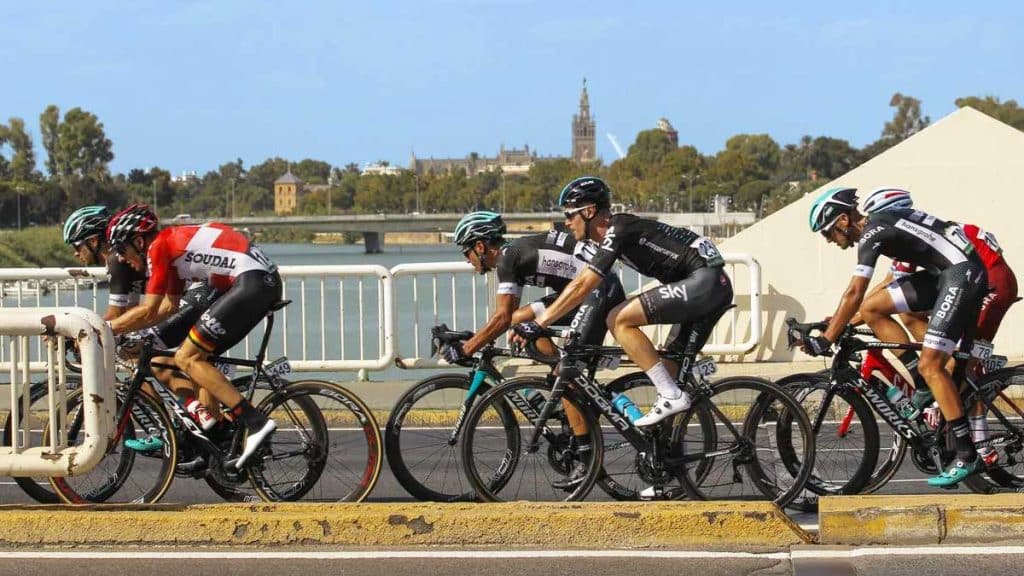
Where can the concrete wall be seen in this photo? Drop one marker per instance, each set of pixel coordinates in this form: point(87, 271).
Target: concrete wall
point(966, 167)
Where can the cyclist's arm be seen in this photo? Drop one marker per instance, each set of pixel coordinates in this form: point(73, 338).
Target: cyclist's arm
point(113, 312)
point(573, 295)
point(848, 306)
point(857, 320)
point(499, 322)
point(147, 314)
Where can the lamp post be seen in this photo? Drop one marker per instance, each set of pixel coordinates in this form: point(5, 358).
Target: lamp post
point(154, 194)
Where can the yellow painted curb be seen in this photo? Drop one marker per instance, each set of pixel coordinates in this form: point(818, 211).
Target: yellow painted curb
point(933, 519)
point(584, 525)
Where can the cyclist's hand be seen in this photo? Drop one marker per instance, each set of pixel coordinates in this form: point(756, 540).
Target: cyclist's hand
point(817, 346)
point(527, 331)
point(453, 353)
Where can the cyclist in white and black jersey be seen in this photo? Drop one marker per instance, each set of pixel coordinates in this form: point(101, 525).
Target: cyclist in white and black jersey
point(942, 249)
point(695, 287)
point(548, 260)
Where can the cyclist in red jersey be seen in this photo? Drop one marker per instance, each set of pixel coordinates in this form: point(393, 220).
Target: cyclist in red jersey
point(231, 264)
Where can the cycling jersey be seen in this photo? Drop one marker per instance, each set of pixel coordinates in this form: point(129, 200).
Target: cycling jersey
point(654, 249)
point(984, 243)
point(126, 285)
point(545, 260)
point(213, 252)
point(915, 237)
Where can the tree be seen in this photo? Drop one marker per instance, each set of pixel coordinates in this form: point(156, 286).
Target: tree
point(49, 125)
point(312, 171)
point(906, 120)
point(82, 148)
point(650, 146)
point(1008, 112)
point(23, 163)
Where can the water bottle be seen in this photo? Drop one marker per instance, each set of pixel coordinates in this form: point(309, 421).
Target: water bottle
point(626, 407)
point(898, 399)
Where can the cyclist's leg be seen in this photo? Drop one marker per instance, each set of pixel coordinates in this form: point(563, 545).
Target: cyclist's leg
point(1002, 293)
point(954, 317)
point(905, 296)
point(705, 291)
point(223, 325)
point(172, 332)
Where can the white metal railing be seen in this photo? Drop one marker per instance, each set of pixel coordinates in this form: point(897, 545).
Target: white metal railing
point(54, 456)
point(368, 317)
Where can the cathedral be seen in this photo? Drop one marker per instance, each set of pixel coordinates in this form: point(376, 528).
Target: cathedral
point(513, 161)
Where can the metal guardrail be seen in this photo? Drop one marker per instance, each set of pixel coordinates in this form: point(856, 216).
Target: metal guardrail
point(364, 317)
point(54, 456)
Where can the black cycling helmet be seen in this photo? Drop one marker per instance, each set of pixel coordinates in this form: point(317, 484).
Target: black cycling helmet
point(584, 191)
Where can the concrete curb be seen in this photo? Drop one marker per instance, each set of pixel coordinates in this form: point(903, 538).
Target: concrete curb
point(588, 526)
point(932, 519)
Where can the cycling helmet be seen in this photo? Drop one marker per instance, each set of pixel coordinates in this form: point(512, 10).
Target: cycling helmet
point(86, 222)
point(887, 199)
point(584, 191)
point(135, 219)
point(832, 204)
point(482, 225)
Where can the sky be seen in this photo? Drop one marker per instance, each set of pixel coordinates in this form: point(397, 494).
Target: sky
point(192, 85)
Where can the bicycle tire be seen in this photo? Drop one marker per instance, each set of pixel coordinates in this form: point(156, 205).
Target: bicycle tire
point(429, 404)
point(826, 480)
point(769, 403)
point(353, 465)
point(121, 467)
point(1007, 474)
point(38, 489)
point(490, 476)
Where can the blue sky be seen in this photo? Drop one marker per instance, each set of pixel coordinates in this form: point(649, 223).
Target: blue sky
point(190, 85)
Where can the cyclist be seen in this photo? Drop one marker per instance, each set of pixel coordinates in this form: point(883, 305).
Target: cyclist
point(695, 287)
point(231, 264)
point(1001, 294)
point(954, 287)
point(550, 260)
point(85, 231)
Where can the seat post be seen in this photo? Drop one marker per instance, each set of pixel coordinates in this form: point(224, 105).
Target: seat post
point(266, 337)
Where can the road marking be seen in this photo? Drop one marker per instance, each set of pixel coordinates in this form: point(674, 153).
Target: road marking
point(804, 554)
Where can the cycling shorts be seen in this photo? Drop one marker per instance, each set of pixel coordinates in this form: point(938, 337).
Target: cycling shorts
point(953, 298)
point(686, 302)
point(172, 332)
point(232, 316)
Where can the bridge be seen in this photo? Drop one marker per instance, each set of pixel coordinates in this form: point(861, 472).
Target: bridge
point(373, 226)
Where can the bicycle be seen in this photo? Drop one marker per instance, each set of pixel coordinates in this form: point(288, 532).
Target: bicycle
point(930, 447)
point(421, 437)
point(674, 455)
point(287, 467)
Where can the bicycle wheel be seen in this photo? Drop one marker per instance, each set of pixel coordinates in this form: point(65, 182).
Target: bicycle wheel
point(499, 464)
point(38, 488)
point(746, 412)
point(625, 472)
point(125, 475)
point(1004, 422)
point(846, 438)
point(421, 439)
point(327, 446)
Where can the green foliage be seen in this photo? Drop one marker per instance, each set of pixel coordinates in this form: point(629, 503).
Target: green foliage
point(1008, 112)
point(37, 246)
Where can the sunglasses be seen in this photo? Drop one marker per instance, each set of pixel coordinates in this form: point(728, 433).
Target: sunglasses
point(77, 245)
point(570, 213)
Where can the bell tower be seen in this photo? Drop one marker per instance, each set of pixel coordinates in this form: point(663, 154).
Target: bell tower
point(584, 143)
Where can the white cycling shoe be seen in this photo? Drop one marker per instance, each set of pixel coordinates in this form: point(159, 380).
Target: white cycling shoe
point(253, 442)
point(663, 408)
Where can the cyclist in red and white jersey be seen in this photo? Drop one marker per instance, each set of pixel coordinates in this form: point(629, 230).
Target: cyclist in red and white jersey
point(231, 264)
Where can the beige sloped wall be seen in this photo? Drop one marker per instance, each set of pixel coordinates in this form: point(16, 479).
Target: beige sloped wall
point(967, 167)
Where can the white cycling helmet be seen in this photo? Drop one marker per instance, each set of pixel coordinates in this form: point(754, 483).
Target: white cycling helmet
point(886, 198)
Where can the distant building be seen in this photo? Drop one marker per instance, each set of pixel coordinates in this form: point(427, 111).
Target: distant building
point(518, 161)
point(287, 189)
point(584, 141)
point(665, 126)
point(186, 177)
point(384, 169)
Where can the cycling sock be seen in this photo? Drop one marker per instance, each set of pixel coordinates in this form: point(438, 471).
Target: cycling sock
point(979, 428)
point(962, 439)
point(664, 382)
point(253, 418)
point(910, 360)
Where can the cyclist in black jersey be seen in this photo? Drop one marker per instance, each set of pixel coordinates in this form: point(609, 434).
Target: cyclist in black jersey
point(942, 249)
point(547, 260)
point(694, 285)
